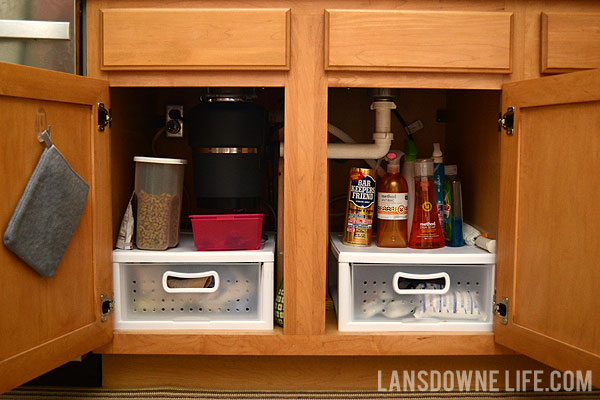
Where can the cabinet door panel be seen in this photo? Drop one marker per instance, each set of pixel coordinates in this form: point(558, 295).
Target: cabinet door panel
point(48, 321)
point(570, 42)
point(418, 41)
point(548, 226)
point(195, 39)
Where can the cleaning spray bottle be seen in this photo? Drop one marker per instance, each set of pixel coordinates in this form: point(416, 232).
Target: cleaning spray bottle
point(408, 172)
point(392, 205)
point(426, 232)
point(453, 208)
point(438, 180)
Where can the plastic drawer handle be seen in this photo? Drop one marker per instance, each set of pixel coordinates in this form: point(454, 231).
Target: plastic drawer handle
point(190, 275)
point(422, 277)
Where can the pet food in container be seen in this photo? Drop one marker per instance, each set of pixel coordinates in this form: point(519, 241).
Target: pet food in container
point(227, 231)
point(158, 189)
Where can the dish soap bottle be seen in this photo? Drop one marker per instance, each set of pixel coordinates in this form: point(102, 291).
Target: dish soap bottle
point(426, 230)
point(438, 180)
point(408, 172)
point(392, 206)
point(453, 232)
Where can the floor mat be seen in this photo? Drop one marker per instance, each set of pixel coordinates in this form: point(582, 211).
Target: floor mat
point(34, 393)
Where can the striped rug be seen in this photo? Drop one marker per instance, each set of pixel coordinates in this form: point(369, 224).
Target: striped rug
point(36, 393)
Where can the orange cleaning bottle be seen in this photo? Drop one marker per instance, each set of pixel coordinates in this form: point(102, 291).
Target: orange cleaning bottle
point(392, 206)
point(426, 232)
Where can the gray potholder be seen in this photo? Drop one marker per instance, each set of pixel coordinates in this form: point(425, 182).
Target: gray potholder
point(47, 214)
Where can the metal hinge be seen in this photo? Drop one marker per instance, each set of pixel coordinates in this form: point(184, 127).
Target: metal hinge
point(104, 117)
point(507, 121)
point(107, 306)
point(501, 310)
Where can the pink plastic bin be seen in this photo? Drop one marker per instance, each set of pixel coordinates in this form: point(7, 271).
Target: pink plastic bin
point(227, 231)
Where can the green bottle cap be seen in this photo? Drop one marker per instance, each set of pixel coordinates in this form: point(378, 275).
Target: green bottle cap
point(411, 150)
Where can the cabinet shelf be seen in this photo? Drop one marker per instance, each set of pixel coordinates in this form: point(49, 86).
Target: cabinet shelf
point(444, 255)
point(332, 343)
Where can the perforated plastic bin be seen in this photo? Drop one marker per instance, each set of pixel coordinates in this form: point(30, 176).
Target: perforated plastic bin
point(376, 289)
point(185, 289)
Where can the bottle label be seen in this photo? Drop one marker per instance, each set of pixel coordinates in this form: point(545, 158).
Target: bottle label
point(362, 191)
point(392, 206)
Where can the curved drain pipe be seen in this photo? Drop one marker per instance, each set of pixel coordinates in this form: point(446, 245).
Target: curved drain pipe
point(382, 138)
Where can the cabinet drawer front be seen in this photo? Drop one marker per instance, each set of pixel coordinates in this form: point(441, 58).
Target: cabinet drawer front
point(405, 297)
point(237, 298)
point(419, 41)
point(158, 39)
point(570, 42)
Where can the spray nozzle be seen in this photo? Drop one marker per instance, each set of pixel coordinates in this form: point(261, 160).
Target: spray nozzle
point(393, 159)
point(411, 150)
point(437, 153)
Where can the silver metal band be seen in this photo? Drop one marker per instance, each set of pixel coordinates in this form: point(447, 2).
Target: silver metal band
point(226, 99)
point(226, 150)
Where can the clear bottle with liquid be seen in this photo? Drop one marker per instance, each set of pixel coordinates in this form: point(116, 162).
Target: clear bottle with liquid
point(453, 216)
point(392, 206)
point(408, 172)
point(426, 232)
point(438, 180)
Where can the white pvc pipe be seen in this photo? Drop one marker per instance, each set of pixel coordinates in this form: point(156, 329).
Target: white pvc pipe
point(349, 150)
point(344, 137)
point(345, 151)
point(340, 134)
point(352, 151)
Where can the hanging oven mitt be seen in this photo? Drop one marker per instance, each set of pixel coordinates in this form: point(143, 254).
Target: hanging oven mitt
point(47, 214)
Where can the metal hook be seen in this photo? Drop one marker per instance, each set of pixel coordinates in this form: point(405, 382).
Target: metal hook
point(43, 130)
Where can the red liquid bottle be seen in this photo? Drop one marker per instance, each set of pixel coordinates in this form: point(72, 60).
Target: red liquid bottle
point(426, 232)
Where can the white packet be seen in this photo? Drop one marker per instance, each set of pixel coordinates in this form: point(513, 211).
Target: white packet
point(460, 304)
point(125, 237)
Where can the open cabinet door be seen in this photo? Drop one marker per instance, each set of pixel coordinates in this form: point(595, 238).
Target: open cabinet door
point(47, 322)
point(549, 223)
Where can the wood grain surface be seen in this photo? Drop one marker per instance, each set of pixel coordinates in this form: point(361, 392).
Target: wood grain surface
point(151, 38)
point(570, 42)
point(48, 321)
point(296, 373)
point(547, 243)
point(418, 40)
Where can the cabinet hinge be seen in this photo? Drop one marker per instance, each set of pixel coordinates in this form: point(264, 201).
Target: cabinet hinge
point(501, 309)
point(107, 306)
point(507, 121)
point(104, 117)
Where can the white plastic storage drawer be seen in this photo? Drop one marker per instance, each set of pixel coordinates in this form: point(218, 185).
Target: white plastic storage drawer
point(375, 289)
point(153, 290)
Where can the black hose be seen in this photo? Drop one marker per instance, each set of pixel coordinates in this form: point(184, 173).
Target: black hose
point(404, 124)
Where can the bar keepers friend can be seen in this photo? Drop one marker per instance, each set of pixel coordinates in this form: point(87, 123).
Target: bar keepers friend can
point(360, 208)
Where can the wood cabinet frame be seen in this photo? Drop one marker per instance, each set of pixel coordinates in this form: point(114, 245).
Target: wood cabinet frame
point(310, 329)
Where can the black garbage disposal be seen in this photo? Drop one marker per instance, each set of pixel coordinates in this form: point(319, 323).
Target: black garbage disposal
point(227, 133)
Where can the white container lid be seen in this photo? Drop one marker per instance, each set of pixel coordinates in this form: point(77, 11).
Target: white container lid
point(186, 252)
point(463, 255)
point(157, 160)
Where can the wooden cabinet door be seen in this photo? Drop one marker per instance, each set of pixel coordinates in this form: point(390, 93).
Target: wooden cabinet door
point(46, 322)
point(548, 231)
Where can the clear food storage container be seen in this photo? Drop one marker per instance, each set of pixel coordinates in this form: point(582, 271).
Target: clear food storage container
point(158, 189)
